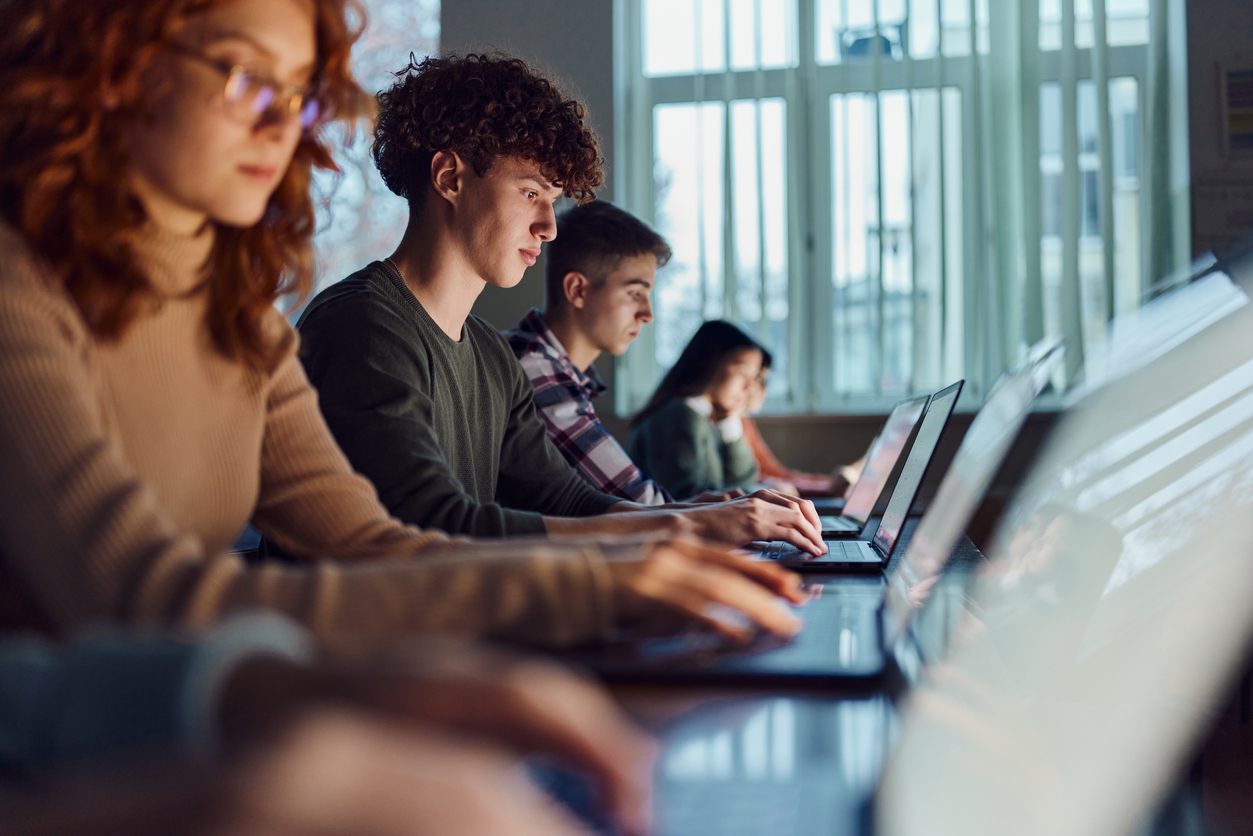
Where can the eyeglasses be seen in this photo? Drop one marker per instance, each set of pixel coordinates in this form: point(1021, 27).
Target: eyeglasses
point(250, 96)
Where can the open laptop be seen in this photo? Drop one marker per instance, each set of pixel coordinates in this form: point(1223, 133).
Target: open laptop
point(846, 626)
point(1112, 621)
point(873, 553)
point(881, 460)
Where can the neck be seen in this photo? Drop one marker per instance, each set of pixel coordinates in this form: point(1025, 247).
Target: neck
point(437, 274)
point(566, 328)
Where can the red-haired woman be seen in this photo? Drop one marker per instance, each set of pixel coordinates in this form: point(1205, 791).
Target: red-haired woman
point(155, 158)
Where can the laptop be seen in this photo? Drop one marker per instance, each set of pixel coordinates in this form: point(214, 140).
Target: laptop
point(846, 628)
point(1113, 622)
point(881, 460)
point(873, 553)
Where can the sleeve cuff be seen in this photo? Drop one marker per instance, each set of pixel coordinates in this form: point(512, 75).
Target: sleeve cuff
point(730, 429)
point(236, 641)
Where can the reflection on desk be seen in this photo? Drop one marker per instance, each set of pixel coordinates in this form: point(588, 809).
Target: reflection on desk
point(771, 766)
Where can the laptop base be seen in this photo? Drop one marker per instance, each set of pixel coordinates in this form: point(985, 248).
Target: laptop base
point(842, 556)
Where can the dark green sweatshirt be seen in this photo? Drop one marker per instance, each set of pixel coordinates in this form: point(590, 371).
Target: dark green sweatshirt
point(447, 431)
point(682, 450)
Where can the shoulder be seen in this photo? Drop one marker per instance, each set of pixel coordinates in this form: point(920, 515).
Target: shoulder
point(361, 298)
point(363, 315)
point(29, 288)
point(527, 337)
point(676, 409)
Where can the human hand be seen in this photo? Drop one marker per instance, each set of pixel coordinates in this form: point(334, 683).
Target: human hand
point(527, 704)
point(336, 772)
point(781, 486)
point(762, 515)
point(680, 582)
point(322, 772)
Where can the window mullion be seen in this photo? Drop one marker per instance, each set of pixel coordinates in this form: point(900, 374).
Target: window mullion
point(1105, 146)
point(941, 66)
point(915, 308)
point(812, 268)
point(730, 307)
point(880, 329)
point(763, 319)
point(1071, 302)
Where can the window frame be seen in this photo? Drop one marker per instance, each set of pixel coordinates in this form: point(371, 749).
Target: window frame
point(806, 89)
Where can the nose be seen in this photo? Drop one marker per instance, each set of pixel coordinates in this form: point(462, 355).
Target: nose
point(545, 227)
point(277, 123)
point(646, 311)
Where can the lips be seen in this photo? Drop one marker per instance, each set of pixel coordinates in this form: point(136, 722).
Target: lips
point(530, 256)
point(265, 173)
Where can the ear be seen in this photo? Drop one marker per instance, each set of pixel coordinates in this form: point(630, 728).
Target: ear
point(576, 287)
point(447, 173)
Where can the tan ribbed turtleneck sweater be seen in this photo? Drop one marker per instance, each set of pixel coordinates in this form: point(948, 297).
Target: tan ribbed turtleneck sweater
point(127, 468)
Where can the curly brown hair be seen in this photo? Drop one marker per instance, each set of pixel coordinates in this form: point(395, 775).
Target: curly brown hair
point(63, 161)
point(482, 107)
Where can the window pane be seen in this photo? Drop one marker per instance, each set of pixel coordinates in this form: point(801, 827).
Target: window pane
point(1124, 107)
point(762, 34)
point(690, 36)
point(1127, 22)
point(846, 30)
point(1051, 168)
point(759, 218)
point(358, 218)
point(683, 36)
point(932, 235)
point(924, 28)
point(688, 178)
point(898, 256)
point(955, 15)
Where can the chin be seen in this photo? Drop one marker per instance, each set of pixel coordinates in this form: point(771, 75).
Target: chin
point(242, 217)
point(506, 281)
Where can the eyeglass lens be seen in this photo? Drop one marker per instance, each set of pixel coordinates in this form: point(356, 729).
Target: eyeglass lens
point(259, 98)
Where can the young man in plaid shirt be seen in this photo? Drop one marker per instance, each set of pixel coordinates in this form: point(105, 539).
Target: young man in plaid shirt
point(599, 272)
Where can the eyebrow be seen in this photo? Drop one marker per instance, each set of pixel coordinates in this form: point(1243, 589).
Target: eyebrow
point(644, 282)
point(216, 37)
point(538, 178)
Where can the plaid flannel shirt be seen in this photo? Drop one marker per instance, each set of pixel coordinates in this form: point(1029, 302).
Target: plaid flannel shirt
point(563, 398)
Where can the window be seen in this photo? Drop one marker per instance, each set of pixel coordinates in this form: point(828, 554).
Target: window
point(847, 181)
point(359, 219)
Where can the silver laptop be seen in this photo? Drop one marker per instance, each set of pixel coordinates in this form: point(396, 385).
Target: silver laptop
point(1112, 619)
point(873, 554)
point(881, 460)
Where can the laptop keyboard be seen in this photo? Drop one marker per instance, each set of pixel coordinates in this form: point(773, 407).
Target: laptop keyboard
point(837, 550)
point(838, 524)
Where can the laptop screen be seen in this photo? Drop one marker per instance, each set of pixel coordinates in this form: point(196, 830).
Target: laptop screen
point(933, 423)
point(980, 455)
point(882, 459)
point(1106, 631)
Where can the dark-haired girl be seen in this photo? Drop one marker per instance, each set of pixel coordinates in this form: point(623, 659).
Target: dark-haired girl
point(690, 437)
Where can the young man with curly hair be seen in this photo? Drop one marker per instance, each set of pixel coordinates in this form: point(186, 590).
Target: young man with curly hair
point(428, 401)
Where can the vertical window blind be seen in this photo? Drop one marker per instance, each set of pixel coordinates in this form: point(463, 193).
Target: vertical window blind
point(892, 194)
